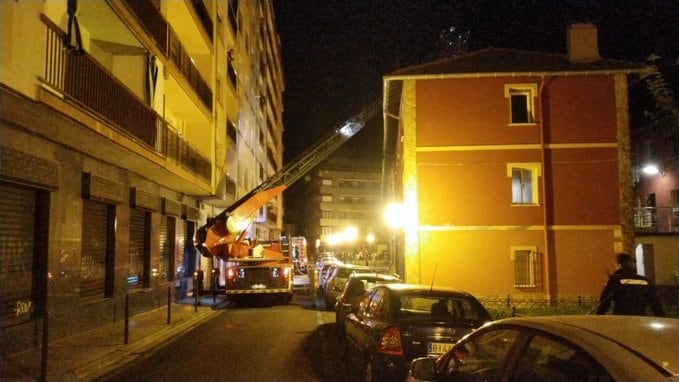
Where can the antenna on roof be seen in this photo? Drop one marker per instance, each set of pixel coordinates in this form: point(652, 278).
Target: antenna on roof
point(431, 288)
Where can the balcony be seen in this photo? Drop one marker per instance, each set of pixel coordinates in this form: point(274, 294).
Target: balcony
point(167, 41)
point(83, 81)
point(656, 220)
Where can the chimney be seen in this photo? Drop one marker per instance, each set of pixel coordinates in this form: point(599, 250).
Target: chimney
point(583, 45)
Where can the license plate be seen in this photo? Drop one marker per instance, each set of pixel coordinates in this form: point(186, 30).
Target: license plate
point(438, 348)
point(258, 286)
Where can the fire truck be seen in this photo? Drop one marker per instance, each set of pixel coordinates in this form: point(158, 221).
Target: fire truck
point(253, 267)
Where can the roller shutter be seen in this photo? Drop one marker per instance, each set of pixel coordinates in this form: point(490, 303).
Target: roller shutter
point(17, 233)
point(138, 267)
point(95, 248)
point(167, 247)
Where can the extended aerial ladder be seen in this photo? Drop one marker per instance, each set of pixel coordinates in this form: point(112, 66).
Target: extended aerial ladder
point(223, 235)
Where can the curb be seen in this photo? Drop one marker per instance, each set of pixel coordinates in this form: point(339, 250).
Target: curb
point(126, 355)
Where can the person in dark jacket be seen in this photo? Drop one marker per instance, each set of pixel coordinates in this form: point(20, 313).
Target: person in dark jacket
point(629, 292)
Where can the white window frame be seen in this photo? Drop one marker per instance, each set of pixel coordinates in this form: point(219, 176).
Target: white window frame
point(535, 169)
point(530, 91)
point(526, 266)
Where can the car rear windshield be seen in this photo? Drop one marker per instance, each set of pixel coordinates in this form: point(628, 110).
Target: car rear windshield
point(440, 308)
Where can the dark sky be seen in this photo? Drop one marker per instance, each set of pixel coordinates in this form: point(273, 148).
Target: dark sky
point(336, 52)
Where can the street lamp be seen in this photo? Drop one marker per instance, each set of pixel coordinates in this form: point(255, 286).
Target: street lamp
point(370, 239)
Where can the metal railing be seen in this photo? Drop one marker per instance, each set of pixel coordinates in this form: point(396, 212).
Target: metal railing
point(656, 219)
point(158, 28)
point(149, 17)
point(84, 81)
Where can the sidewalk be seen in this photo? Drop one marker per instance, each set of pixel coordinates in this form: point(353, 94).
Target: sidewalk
point(95, 353)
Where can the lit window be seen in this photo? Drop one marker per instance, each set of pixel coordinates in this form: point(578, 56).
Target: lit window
point(524, 182)
point(326, 198)
point(521, 103)
point(526, 267)
point(326, 182)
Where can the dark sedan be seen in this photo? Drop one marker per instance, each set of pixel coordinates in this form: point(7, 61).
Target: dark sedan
point(396, 323)
point(353, 292)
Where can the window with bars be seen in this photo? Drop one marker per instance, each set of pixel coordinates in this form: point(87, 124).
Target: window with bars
point(526, 267)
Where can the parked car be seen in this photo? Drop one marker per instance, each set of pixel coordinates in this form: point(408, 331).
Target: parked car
point(395, 323)
point(323, 274)
point(561, 348)
point(354, 289)
point(337, 279)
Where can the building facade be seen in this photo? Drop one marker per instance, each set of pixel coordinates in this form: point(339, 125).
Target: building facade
point(513, 168)
point(346, 195)
point(655, 149)
point(124, 126)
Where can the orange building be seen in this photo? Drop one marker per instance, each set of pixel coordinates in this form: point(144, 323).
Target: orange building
point(515, 167)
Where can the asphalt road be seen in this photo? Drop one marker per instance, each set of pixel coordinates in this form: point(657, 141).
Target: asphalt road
point(250, 341)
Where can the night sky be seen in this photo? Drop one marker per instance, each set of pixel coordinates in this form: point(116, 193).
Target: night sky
point(336, 52)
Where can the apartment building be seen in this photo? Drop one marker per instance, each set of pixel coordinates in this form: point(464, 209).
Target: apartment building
point(346, 194)
point(124, 125)
point(514, 168)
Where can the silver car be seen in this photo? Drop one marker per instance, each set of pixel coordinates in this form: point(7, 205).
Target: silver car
point(560, 348)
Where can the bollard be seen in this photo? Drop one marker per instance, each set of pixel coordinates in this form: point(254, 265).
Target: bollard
point(169, 303)
point(43, 351)
point(127, 319)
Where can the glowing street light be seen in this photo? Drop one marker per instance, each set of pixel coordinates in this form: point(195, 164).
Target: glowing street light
point(370, 238)
point(394, 215)
point(651, 169)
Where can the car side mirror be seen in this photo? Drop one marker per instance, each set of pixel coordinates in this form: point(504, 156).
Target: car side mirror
point(423, 369)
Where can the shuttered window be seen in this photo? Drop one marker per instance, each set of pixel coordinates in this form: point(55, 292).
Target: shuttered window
point(17, 222)
point(139, 260)
point(167, 247)
point(96, 261)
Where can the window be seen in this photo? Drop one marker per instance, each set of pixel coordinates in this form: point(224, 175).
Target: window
point(524, 182)
point(326, 182)
point(526, 267)
point(548, 359)
point(521, 103)
point(326, 198)
point(480, 357)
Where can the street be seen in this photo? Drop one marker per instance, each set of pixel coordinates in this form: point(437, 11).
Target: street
point(250, 341)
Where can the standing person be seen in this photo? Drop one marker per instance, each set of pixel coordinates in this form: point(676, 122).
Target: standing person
point(629, 292)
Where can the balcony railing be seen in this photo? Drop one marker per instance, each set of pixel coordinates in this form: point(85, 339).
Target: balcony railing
point(168, 42)
point(203, 16)
point(656, 220)
point(84, 81)
point(152, 20)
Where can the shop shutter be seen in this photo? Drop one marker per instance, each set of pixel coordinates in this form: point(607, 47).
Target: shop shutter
point(180, 267)
point(94, 249)
point(167, 248)
point(17, 225)
point(137, 271)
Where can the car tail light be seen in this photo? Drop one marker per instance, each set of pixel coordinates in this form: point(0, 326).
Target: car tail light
point(391, 342)
point(230, 273)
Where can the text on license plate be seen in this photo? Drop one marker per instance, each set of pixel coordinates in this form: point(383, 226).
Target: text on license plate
point(436, 348)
